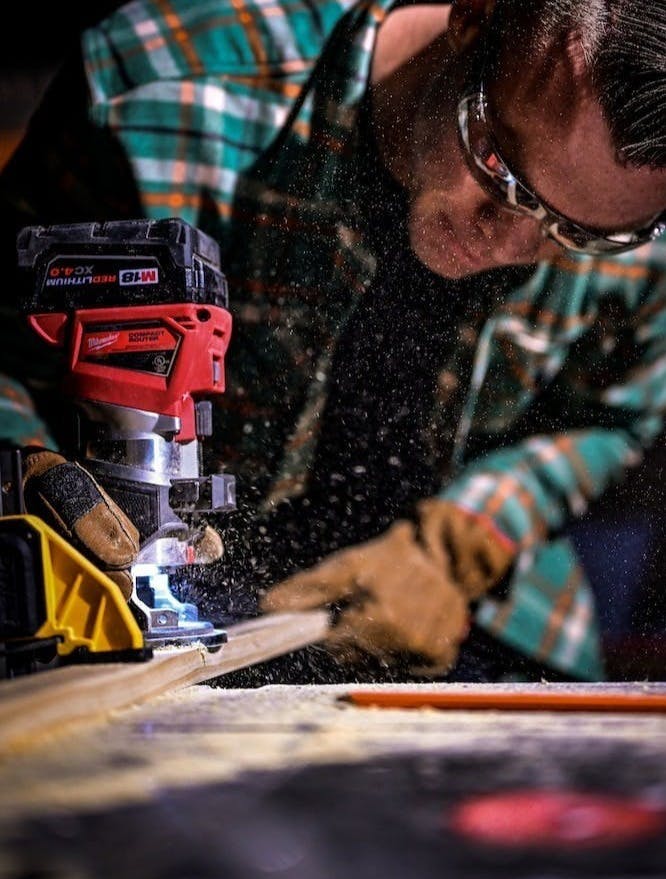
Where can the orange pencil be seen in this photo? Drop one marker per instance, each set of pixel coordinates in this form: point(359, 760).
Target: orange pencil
point(527, 701)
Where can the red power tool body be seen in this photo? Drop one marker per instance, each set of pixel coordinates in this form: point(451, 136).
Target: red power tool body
point(140, 308)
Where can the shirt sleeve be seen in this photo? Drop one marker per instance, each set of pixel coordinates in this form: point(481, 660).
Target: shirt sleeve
point(142, 43)
point(611, 409)
point(19, 422)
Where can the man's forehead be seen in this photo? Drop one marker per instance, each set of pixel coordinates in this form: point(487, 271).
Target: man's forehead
point(531, 73)
point(549, 119)
point(540, 96)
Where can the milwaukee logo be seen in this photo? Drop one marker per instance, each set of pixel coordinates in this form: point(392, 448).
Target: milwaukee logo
point(138, 276)
point(96, 343)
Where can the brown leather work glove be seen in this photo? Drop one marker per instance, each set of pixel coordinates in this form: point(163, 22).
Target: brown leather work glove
point(400, 600)
point(68, 499)
point(476, 554)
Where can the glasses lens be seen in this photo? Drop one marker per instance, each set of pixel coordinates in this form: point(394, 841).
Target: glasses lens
point(486, 163)
point(581, 240)
point(478, 149)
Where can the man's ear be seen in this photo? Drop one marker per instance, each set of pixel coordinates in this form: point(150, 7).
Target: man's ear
point(466, 21)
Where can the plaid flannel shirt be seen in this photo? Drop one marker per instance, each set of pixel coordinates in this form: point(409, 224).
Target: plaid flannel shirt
point(240, 117)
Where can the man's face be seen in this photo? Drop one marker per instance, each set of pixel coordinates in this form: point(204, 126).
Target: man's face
point(550, 130)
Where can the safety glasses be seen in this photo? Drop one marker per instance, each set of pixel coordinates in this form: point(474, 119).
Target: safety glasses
point(494, 176)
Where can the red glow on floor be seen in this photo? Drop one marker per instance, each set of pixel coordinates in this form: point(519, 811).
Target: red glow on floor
point(547, 818)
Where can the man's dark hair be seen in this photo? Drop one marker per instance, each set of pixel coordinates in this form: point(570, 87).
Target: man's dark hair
point(624, 42)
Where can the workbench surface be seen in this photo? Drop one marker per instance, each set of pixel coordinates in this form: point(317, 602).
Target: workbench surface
point(292, 781)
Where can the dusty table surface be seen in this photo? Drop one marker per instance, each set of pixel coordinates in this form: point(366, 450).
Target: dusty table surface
point(208, 781)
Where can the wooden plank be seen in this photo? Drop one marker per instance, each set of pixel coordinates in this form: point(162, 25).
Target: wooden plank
point(544, 700)
point(51, 701)
point(198, 736)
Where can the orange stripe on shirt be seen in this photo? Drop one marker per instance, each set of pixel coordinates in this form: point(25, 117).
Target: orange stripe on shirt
point(247, 19)
point(181, 35)
point(545, 315)
point(506, 487)
point(558, 615)
point(186, 116)
point(277, 86)
point(603, 267)
point(567, 447)
point(650, 309)
point(515, 365)
point(378, 12)
point(178, 200)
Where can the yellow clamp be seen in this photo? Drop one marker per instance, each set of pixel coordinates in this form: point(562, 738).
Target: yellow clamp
point(84, 608)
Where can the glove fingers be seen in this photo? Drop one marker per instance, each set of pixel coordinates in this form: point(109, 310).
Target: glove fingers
point(68, 498)
point(448, 633)
point(330, 581)
point(359, 628)
point(432, 532)
point(463, 547)
point(464, 555)
point(479, 560)
point(123, 579)
point(341, 644)
point(355, 632)
point(108, 534)
point(434, 670)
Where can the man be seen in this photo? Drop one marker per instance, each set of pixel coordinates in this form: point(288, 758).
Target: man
point(448, 339)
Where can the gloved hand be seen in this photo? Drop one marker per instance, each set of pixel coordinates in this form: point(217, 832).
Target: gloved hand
point(68, 499)
point(399, 600)
point(71, 501)
point(475, 553)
